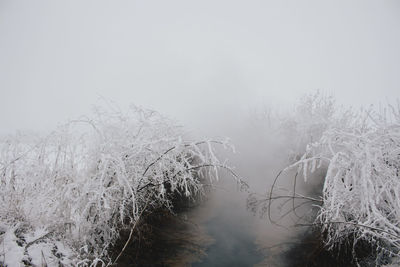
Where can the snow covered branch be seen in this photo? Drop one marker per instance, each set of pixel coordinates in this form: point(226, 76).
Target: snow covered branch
point(90, 179)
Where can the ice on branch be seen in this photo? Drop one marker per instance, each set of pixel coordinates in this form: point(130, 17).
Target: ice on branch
point(64, 198)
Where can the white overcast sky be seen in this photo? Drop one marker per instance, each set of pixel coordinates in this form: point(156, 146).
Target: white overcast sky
point(191, 60)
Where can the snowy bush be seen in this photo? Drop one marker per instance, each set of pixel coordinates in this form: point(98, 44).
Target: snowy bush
point(293, 130)
point(64, 198)
point(311, 117)
point(361, 187)
point(361, 193)
point(357, 155)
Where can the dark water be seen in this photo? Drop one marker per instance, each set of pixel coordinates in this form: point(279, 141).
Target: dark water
point(222, 232)
point(232, 246)
point(225, 237)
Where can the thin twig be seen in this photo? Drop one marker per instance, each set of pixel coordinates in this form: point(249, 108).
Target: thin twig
point(294, 193)
point(38, 239)
point(270, 198)
point(130, 234)
point(352, 223)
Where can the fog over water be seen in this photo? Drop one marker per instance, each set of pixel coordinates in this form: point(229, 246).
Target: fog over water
point(217, 67)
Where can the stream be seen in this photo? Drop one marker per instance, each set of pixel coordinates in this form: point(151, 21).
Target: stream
point(232, 246)
point(221, 231)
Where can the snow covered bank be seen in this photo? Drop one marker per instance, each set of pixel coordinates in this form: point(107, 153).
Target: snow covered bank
point(361, 193)
point(65, 197)
point(356, 157)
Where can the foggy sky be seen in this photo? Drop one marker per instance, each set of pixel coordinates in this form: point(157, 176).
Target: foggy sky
point(191, 60)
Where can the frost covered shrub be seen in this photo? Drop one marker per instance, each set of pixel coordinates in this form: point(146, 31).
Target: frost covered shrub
point(356, 155)
point(361, 192)
point(64, 198)
point(311, 117)
point(306, 123)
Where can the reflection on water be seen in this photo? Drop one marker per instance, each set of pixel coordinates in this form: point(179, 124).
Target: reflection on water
point(211, 234)
point(167, 240)
point(232, 246)
point(222, 232)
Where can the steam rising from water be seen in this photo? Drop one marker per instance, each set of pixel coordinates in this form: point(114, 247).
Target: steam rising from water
point(208, 64)
point(261, 152)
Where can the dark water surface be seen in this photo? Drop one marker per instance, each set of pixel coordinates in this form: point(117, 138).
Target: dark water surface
point(222, 232)
point(232, 246)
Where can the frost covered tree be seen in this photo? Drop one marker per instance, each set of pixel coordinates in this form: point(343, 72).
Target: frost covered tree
point(65, 198)
point(358, 155)
point(361, 185)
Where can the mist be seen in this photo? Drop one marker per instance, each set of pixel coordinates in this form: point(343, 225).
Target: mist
point(218, 68)
point(191, 61)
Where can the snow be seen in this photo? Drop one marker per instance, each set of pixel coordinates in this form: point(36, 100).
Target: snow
point(356, 157)
point(361, 192)
point(11, 253)
point(70, 193)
